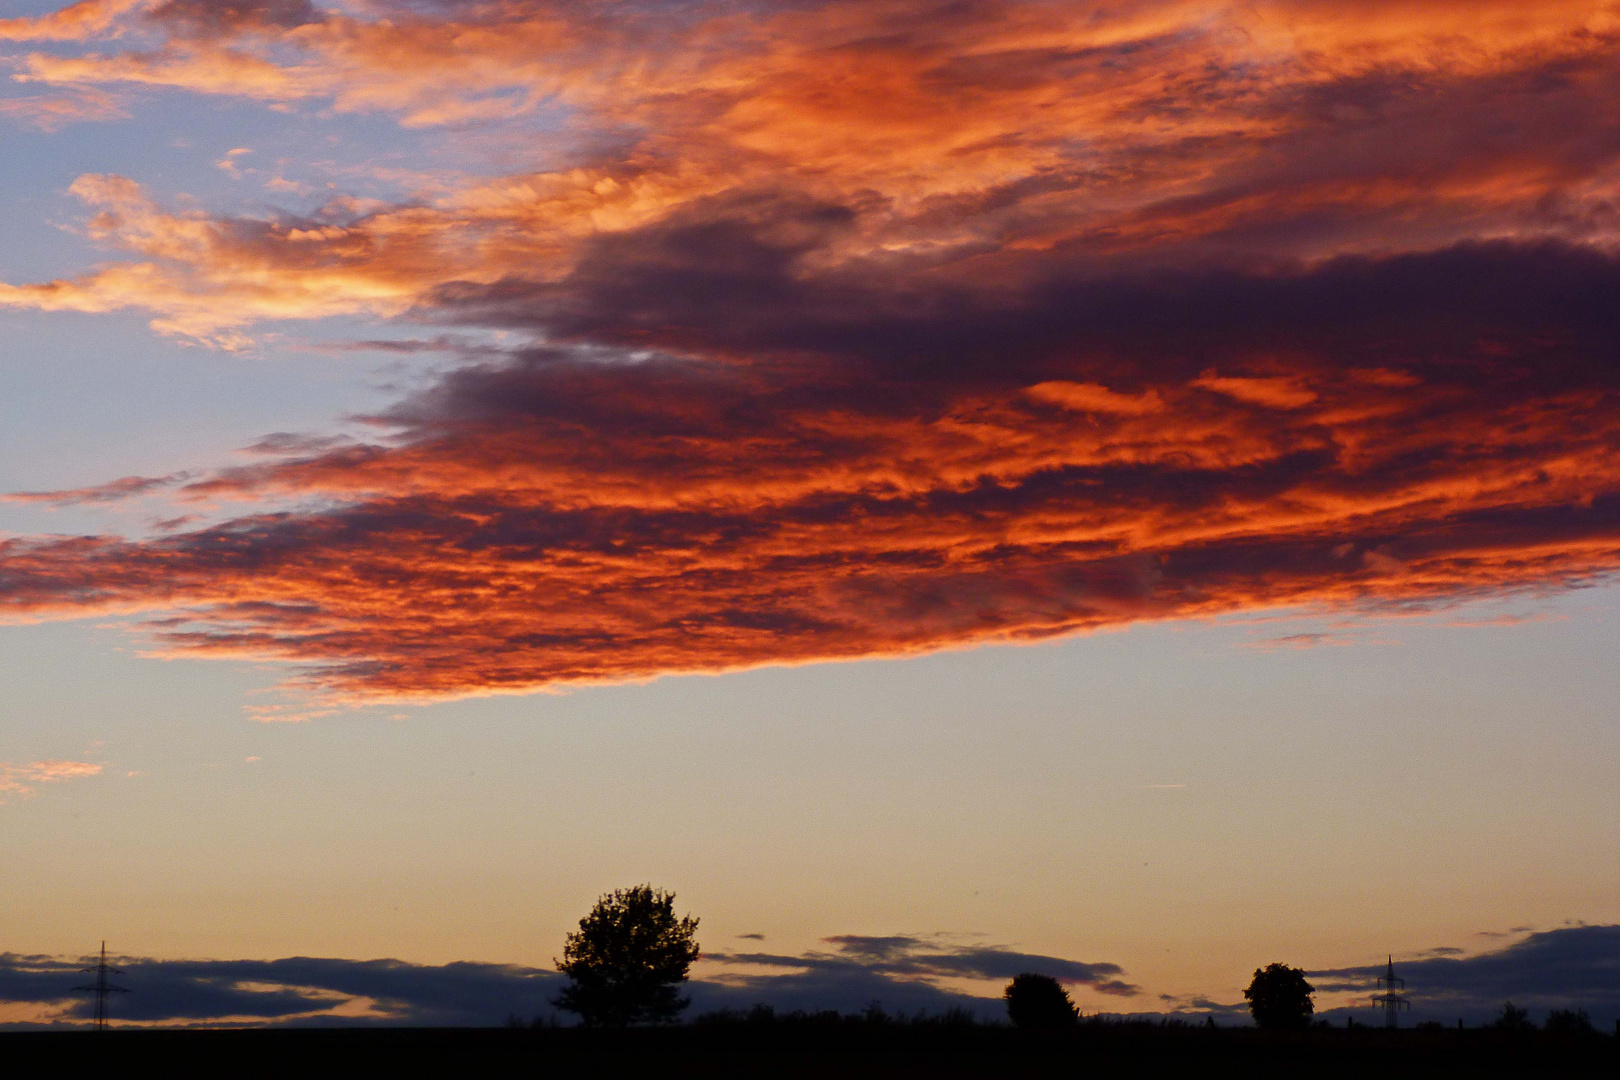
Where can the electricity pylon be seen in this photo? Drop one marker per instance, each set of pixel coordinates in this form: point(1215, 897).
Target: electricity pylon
point(1390, 997)
point(102, 987)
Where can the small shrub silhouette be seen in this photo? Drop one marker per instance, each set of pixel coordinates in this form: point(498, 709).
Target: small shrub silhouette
point(1279, 997)
point(1039, 1001)
point(1569, 1022)
point(1513, 1018)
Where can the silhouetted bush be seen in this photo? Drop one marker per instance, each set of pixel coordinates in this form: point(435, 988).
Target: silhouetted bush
point(1279, 997)
point(627, 958)
point(1039, 1001)
point(957, 1017)
point(1569, 1022)
point(1513, 1018)
point(873, 1016)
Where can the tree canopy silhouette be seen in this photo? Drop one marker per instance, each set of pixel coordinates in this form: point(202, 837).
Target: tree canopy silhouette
point(627, 958)
point(1513, 1018)
point(1569, 1022)
point(1279, 997)
point(1039, 1001)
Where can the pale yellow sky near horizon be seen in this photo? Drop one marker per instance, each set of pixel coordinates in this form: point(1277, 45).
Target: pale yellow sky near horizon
point(1164, 798)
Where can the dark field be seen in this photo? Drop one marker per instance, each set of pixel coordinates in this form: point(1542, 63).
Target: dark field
point(789, 1050)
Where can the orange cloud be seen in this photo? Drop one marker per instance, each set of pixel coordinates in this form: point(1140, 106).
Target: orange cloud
point(205, 278)
point(872, 482)
point(1277, 392)
point(76, 22)
point(950, 132)
point(17, 781)
point(858, 329)
point(52, 112)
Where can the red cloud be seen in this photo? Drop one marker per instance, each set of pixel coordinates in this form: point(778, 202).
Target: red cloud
point(960, 134)
point(888, 326)
point(871, 484)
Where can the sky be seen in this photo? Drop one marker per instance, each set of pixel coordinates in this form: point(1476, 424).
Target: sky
point(946, 486)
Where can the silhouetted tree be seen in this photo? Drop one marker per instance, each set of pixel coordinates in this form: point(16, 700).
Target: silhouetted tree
point(1279, 997)
point(627, 958)
point(1039, 1001)
point(1569, 1022)
point(1513, 1018)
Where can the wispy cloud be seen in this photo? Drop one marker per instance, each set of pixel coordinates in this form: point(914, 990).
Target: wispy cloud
point(126, 487)
point(17, 781)
point(52, 112)
point(1504, 621)
point(1298, 641)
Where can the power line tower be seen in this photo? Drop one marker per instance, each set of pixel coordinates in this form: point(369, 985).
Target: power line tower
point(102, 987)
point(1390, 996)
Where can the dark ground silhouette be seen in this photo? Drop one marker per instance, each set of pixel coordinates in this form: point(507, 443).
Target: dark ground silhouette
point(817, 1047)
